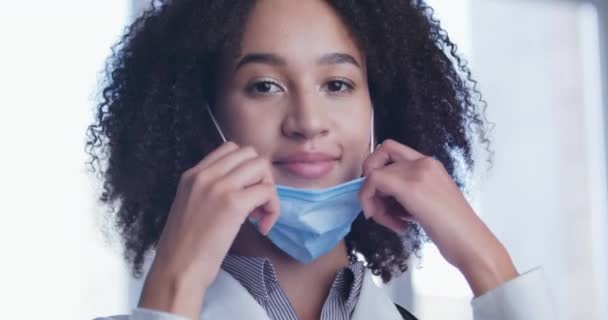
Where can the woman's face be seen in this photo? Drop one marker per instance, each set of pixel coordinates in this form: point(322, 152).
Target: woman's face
point(298, 94)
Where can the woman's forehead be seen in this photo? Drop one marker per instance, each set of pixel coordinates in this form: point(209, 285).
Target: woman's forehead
point(297, 30)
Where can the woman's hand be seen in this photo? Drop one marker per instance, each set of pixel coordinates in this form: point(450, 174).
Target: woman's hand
point(213, 200)
point(402, 184)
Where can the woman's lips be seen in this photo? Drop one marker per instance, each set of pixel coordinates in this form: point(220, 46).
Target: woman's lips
point(308, 169)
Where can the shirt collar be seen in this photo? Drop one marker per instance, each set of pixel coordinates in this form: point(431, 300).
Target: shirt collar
point(348, 282)
point(257, 273)
point(254, 273)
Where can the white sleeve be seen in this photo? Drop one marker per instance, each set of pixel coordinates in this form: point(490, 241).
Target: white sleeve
point(525, 297)
point(145, 314)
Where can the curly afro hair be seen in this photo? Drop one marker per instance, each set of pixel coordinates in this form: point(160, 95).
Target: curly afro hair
point(151, 124)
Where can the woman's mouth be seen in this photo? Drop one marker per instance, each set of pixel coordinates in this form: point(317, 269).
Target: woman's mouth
point(308, 169)
point(307, 165)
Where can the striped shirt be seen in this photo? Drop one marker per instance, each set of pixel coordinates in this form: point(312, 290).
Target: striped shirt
point(257, 275)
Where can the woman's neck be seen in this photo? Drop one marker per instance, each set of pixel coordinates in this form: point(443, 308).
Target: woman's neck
point(306, 285)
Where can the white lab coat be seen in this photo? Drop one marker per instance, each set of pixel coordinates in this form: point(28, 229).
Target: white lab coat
point(525, 297)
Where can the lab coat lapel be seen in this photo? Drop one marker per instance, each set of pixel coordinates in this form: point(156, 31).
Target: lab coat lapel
point(226, 298)
point(374, 302)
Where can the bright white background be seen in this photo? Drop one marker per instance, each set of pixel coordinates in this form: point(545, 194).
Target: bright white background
point(52, 257)
point(538, 64)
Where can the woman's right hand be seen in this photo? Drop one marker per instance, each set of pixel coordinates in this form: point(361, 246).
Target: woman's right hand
point(213, 200)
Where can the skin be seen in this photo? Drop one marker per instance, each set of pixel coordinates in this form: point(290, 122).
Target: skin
point(288, 91)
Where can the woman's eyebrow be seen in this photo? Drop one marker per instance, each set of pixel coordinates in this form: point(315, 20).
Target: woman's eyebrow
point(264, 58)
point(337, 57)
point(275, 60)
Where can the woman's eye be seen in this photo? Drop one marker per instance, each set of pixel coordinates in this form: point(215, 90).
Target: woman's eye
point(338, 86)
point(264, 87)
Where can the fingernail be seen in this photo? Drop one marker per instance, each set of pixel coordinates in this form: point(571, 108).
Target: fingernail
point(366, 215)
point(255, 217)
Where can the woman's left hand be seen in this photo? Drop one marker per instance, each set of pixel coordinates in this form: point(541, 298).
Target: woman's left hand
point(402, 184)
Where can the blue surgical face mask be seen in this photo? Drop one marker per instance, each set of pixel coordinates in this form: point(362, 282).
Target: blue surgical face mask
point(311, 222)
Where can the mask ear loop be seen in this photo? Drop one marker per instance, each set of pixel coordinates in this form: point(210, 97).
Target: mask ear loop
point(217, 126)
point(371, 134)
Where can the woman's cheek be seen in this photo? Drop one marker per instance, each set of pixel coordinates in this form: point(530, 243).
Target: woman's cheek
point(358, 148)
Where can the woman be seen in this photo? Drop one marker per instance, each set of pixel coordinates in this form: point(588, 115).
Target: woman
point(267, 225)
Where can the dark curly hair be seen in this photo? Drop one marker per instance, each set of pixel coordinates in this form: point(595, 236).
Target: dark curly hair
point(151, 124)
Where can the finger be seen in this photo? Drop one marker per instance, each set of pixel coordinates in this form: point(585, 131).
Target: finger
point(395, 209)
point(379, 185)
point(401, 151)
point(250, 172)
point(230, 161)
point(269, 215)
point(220, 152)
point(262, 198)
point(391, 222)
point(388, 152)
point(382, 212)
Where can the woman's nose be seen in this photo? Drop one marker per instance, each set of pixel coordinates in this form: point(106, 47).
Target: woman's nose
point(306, 118)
